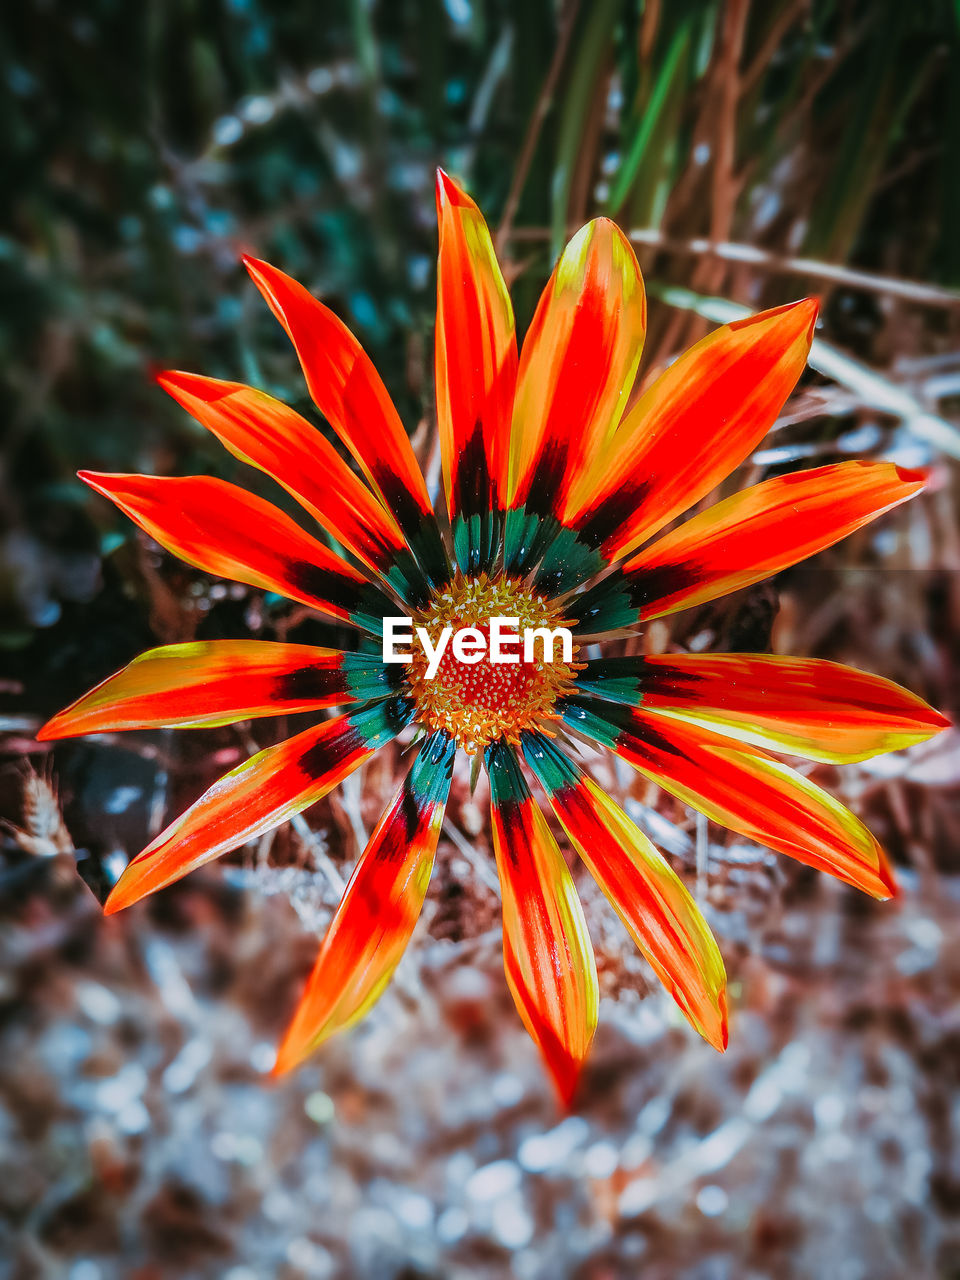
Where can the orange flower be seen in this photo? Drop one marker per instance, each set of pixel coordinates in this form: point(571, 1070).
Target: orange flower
point(548, 484)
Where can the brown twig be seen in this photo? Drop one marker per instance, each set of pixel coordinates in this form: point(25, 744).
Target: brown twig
point(716, 130)
point(648, 31)
point(869, 281)
point(764, 55)
point(541, 107)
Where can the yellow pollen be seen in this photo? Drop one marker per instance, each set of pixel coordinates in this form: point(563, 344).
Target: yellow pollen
point(480, 702)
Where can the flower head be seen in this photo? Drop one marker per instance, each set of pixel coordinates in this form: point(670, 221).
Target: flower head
point(557, 494)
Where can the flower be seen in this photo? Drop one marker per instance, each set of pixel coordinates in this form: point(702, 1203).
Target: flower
point(557, 495)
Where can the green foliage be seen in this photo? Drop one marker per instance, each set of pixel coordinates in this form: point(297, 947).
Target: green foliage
point(145, 145)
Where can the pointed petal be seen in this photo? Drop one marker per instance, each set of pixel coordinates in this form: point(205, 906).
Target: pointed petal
point(805, 706)
point(476, 373)
point(226, 531)
point(266, 790)
point(577, 366)
point(379, 908)
point(347, 390)
point(644, 890)
point(269, 435)
point(746, 538)
point(214, 682)
point(741, 788)
point(700, 419)
point(547, 955)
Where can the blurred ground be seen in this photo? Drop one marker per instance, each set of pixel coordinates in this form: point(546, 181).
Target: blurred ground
point(139, 1133)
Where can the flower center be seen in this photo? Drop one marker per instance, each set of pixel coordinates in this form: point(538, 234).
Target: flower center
point(479, 702)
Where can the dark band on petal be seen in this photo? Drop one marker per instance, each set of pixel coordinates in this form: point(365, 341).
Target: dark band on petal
point(364, 603)
point(309, 683)
point(509, 792)
point(606, 516)
point(418, 527)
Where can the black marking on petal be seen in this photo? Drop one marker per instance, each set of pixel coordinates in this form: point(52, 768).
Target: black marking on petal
point(636, 673)
point(647, 586)
point(623, 599)
point(399, 499)
point(410, 810)
point(605, 517)
point(474, 489)
point(336, 588)
point(419, 527)
point(646, 735)
point(331, 751)
point(476, 505)
point(669, 682)
point(309, 684)
point(629, 733)
point(546, 478)
point(508, 791)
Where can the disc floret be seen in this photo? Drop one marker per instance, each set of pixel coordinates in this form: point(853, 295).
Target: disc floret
point(481, 702)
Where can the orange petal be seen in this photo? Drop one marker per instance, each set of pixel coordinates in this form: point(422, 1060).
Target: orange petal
point(379, 908)
point(476, 371)
point(269, 435)
point(214, 682)
point(746, 538)
point(820, 710)
point(347, 390)
point(762, 530)
point(264, 791)
point(698, 421)
point(547, 955)
point(577, 365)
point(226, 531)
point(741, 788)
point(644, 890)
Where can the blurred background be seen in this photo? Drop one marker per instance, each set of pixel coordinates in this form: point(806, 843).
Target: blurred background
point(757, 151)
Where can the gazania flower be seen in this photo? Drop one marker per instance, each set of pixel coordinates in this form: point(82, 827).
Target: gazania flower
point(557, 500)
